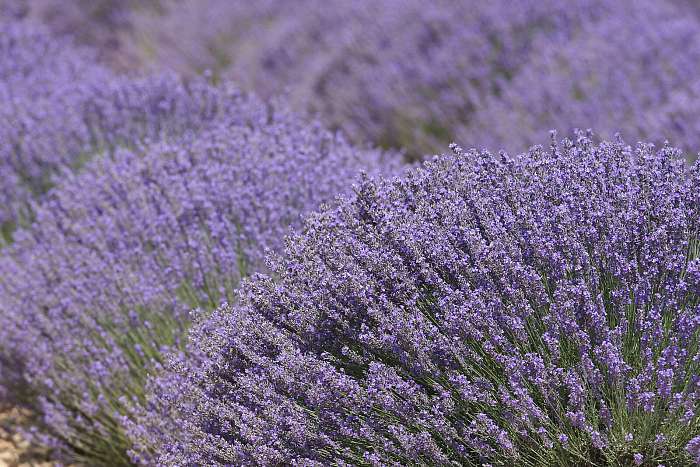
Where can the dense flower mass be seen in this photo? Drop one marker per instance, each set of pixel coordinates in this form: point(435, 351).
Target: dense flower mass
point(358, 63)
point(542, 309)
point(120, 252)
point(517, 307)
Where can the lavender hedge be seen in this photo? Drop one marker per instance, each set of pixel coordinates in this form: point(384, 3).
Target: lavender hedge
point(541, 309)
point(482, 73)
point(359, 64)
point(120, 252)
point(634, 73)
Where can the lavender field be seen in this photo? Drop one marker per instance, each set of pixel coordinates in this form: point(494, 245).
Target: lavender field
point(349, 232)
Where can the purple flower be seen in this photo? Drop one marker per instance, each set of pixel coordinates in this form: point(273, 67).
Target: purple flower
point(693, 448)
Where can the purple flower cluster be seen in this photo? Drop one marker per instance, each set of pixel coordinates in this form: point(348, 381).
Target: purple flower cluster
point(541, 309)
point(120, 252)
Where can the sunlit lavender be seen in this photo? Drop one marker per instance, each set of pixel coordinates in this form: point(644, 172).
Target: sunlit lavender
point(529, 310)
point(338, 232)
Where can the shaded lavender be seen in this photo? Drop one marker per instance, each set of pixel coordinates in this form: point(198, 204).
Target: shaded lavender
point(101, 24)
point(59, 109)
point(40, 78)
point(542, 309)
point(358, 64)
point(636, 74)
point(120, 252)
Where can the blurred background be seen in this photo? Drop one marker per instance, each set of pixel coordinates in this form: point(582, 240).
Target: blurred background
point(412, 75)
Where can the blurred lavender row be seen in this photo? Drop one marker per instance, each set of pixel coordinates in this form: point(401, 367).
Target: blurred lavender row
point(495, 74)
point(392, 73)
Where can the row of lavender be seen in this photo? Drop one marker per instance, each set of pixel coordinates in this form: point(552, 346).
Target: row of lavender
point(489, 74)
point(166, 194)
point(537, 309)
point(399, 74)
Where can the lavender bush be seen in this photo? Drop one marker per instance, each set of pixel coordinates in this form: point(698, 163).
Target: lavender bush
point(60, 109)
point(119, 253)
point(541, 309)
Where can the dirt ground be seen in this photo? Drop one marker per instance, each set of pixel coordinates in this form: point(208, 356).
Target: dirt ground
point(14, 450)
